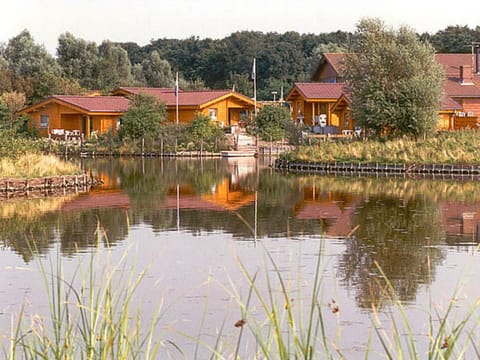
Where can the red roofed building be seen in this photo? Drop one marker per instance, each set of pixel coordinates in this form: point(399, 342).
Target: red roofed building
point(224, 106)
point(310, 102)
point(61, 114)
point(460, 107)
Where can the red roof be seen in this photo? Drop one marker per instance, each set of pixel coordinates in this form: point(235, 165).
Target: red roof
point(316, 90)
point(451, 65)
point(449, 104)
point(185, 98)
point(335, 60)
point(108, 104)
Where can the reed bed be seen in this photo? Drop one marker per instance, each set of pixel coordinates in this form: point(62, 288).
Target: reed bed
point(95, 320)
point(91, 315)
point(459, 147)
point(33, 165)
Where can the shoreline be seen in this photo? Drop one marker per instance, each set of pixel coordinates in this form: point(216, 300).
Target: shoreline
point(45, 186)
point(357, 168)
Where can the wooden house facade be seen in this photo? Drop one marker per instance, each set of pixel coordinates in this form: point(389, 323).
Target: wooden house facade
point(460, 106)
point(226, 107)
point(314, 101)
point(77, 115)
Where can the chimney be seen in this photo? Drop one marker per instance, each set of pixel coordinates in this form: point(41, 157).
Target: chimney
point(466, 76)
point(477, 59)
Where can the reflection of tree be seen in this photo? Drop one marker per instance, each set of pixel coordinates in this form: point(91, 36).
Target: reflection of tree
point(398, 235)
point(84, 229)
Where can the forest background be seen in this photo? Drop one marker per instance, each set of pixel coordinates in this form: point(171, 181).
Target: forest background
point(29, 73)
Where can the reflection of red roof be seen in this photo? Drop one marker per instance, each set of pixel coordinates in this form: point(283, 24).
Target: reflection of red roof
point(458, 218)
point(340, 218)
point(190, 202)
point(98, 200)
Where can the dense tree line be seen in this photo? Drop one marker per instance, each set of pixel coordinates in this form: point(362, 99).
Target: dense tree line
point(80, 65)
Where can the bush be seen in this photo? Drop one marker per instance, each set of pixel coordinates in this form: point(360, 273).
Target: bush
point(271, 121)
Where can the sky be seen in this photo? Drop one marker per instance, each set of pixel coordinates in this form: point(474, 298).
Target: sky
point(143, 20)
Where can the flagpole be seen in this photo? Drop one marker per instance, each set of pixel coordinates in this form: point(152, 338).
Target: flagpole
point(176, 99)
point(254, 75)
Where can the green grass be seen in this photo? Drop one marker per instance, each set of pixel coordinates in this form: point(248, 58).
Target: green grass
point(459, 147)
point(33, 165)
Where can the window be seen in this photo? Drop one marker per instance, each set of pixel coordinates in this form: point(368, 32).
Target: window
point(212, 113)
point(44, 120)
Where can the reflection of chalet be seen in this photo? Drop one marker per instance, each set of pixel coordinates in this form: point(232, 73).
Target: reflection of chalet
point(98, 200)
point(223, 197)
point(461, 219)
point(334, 211)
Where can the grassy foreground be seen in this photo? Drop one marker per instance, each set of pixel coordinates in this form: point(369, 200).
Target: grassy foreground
point(33, 165)
point(93, 316)
point(459, 147)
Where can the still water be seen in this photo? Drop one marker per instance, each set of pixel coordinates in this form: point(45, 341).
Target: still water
point(198, 226)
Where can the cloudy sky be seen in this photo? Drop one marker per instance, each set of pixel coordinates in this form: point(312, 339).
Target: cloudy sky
point(142, 20)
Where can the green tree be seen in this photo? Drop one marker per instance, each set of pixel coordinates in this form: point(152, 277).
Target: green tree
point(157, 72)
point(454, 39)
point(271, 122)
point(78, 59)
point(12, 102)
point(114, 67)
point(395, 80)
point(204, 133)
point(30, 65)
point(143, 118)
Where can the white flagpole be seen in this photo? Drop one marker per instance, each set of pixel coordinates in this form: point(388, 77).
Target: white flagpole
point(176, 99)
point(254, 77)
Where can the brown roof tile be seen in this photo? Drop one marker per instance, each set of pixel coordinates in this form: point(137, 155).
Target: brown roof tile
point(115, 104)
point(316, 90)
point(335, 60)
point(185, 98)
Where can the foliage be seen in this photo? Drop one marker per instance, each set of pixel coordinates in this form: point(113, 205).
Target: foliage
point(13, 145)
point(78, 59)
point(455, 39)
point(143, 118)
point(395, 80)
point(204, 132)
point(460, 147)
point(282, 59)
point(114, 67)
point(11, 103)
point(157, 72)
point(90, 315)
point(34, 165)
point(30, 65)
point(271, 122)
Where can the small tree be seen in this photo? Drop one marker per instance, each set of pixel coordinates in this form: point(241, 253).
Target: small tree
point(271, 122)
point(395, 80)
point(143, 118)
point(204, 133)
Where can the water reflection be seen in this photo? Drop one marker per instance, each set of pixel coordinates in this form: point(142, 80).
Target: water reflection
point(400, 224)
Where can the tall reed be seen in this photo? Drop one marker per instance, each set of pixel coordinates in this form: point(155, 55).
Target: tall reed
point(90, 316)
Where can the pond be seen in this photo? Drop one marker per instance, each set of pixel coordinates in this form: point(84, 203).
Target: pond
point(200, 227)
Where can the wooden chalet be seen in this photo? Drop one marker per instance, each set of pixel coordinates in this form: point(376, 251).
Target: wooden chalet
point(226, 107)
point(460, 106)
point(66, 115)
point(314, 102)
